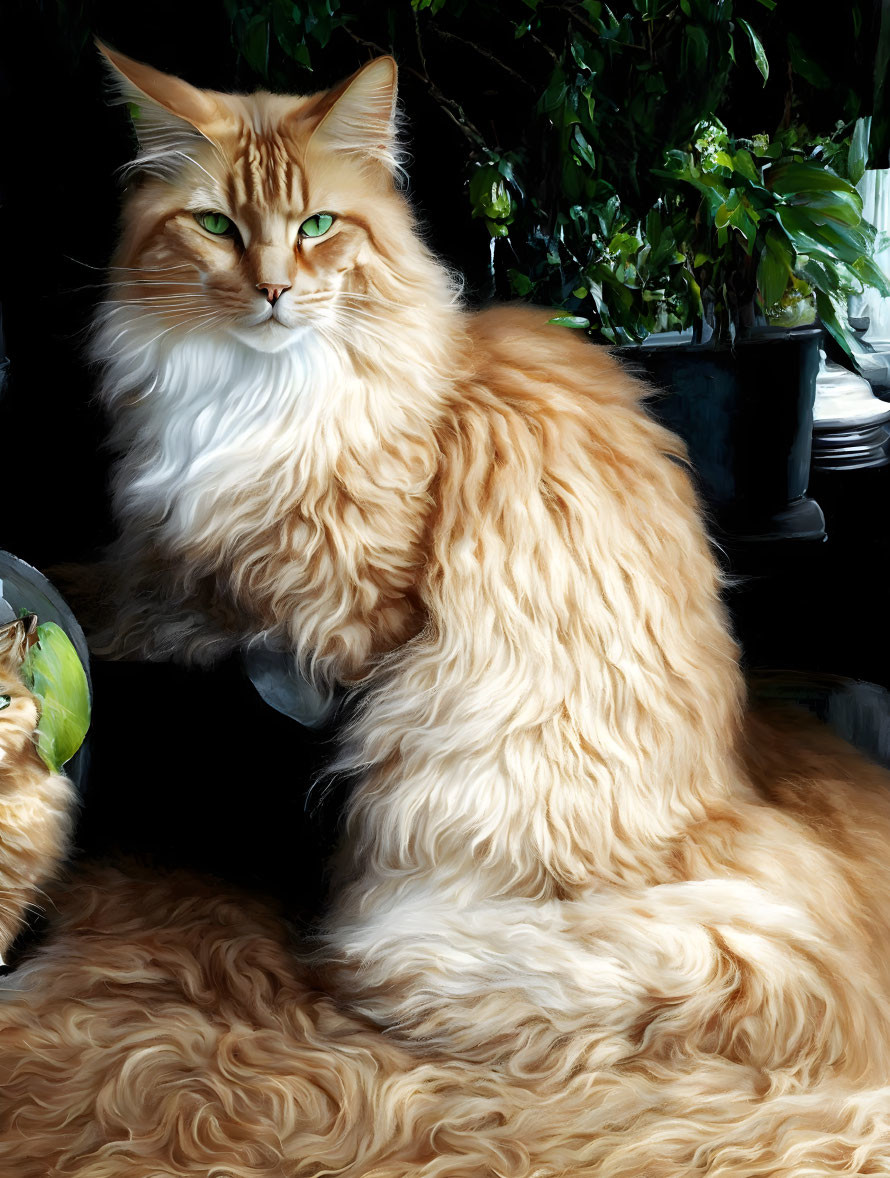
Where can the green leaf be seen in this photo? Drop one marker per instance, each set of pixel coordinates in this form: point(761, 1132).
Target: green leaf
point(624, 244)
point(694, 290)
point(654, 227)
point(807, 176)
point(741, 219)
point(828, 313)
point(858, 154)
point(743, 163)
point(774, 268)
point(872, 275)
point(809, 70)
point(576, 321)
point(823, 276)
point(757, 49)
point(489, 195)
point(582, 148)
point(52, 671)
point(255, 44)
point(807, 184)
point(695, 48)
point(521, 284)
point(804, 234)
point(608, 218)
point(846, 243)
point(835, 208)
point(300, 54)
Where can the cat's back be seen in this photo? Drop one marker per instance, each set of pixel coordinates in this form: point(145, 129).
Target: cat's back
point(516, 345)
point(553, 392)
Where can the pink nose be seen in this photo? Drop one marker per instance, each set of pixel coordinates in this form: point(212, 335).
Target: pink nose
point(272, 292)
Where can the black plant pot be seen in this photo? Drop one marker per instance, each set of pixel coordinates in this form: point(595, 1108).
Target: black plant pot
point(746, 415)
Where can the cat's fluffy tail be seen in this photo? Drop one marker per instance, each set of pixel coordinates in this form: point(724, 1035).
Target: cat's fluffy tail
point(168, 1027)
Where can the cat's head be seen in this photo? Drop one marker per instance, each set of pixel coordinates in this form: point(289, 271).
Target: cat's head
point(266, 216)
point(18, 708)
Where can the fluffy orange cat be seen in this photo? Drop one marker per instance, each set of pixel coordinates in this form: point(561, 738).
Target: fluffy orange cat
point(35, 804)
point(588, 919)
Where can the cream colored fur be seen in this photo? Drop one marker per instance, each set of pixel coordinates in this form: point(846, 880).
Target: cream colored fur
point(35, 804)
point(588, 919)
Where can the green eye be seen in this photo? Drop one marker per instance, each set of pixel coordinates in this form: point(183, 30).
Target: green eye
point(5, 701)
point(317, 226)
point(216, 223)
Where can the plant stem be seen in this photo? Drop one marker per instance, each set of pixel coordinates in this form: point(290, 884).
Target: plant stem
point(453, 109)
point(484, 53)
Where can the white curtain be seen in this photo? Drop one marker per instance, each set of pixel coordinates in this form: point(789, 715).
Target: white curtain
point(874, 188)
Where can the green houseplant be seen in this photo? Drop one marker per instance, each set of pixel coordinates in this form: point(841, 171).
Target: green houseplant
point(772, 228)
point(772, 236)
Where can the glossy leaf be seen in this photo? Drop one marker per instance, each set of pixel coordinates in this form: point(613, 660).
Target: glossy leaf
point(582, 148)
point(743, 163)
point(53, 672)
point(624, 244)
point(576, 321)
point(804, 234)
point(872, 275)
point(774, 268)
point(806, 177)
point(757, 49)
point(818, 189)
point(696, 48)
point(858, 154)
point(489, 195)
point(521, 284)
point(829, 315)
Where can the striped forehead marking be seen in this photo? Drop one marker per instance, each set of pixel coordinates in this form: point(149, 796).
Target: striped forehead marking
point(265, 175)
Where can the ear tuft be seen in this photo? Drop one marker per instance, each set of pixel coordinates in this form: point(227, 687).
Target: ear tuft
point(14, 641)
point(360, 114)
point(169, 115)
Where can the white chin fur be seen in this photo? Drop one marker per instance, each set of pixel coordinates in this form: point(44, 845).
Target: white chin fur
point(270, 336)
point(211, 412)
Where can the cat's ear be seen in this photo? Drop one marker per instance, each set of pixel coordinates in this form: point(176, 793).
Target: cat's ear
point(359, 115)
point(15, 639)
point(166, 111)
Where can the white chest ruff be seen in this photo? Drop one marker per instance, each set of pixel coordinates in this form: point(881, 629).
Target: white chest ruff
point(213, 422)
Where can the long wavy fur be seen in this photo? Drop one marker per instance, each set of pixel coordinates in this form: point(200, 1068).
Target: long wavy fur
point(590, 918)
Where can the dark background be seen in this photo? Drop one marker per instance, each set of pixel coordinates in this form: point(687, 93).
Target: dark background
point(190, 767)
